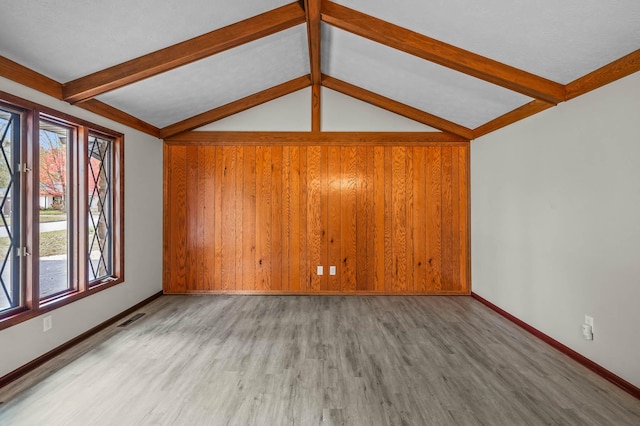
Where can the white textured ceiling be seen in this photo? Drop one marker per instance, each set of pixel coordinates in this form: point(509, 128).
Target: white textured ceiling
point(561, 40)
point(558, 39)
point(67, 39)
point(421, 84)
point(217, 80)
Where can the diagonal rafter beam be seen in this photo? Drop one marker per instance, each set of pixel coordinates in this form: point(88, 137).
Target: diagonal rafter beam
point(27, 77)
point(520, 113)
point(30, 78)
point(396, 107)
point(105, 110)
point(617, 69)
point(183, 53)
point(312, 11)
point(441, 53)
point(235, 107)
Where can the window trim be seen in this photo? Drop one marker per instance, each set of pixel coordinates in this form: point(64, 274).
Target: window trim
point(33, 307)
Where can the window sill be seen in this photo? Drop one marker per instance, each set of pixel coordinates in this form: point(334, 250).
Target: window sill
point(50, 305)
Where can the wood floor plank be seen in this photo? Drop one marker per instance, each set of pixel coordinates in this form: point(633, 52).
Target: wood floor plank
point(257, 360)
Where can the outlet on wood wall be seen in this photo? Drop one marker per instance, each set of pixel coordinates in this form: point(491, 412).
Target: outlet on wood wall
point(392, 219)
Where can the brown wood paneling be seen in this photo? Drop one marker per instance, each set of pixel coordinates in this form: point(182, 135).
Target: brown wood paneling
point(217, 258)
point(207, 182)
point(260, 219)
point(286, 217)
point(324, 216)
point(399, 219)
point(447, 218)
point(348, 189)
point(388, 217)
point(228, 190)
point(304, 240)
point(314, 215)
point(295, 267)
point(318, 138)
point(434, 219)
point(276, 218)
point(363, 218)
point(193, 239)
point(379, 222)
point(177, 182)
point(263, 218)
point(249, 219)
point(334, 209)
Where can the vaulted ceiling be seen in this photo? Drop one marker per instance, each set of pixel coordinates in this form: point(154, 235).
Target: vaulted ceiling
point(460, 66)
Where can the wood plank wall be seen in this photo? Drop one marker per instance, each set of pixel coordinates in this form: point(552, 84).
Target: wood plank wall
point(260, 219)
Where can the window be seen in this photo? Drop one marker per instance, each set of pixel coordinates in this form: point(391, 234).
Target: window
point(100, 208)
point(55, 208)
point(10, 126)
point(61, 209)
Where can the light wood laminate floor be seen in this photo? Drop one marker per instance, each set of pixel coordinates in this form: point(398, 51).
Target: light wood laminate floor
point(312, 360)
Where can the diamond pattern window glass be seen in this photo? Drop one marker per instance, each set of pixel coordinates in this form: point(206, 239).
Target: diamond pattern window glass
point(100, 208)
point(10, 294)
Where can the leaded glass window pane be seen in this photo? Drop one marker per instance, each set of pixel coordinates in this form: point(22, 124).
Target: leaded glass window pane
point(100, 208)
point(10, 295)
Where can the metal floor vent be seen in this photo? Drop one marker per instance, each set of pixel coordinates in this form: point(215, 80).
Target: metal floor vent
point(132, 319)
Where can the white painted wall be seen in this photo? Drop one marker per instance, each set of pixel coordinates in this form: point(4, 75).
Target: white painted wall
point(340, 113)
point(143, 246)
point(556, 222)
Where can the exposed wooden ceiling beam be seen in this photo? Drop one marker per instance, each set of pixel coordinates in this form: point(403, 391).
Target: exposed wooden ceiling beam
point(183, 53)
point(27, 77)
point(441, 53)
point(396, 107)
point(316, 138)
point(236, 107)
point(312, 10)
point(517, 114)
point(119, 116)
point(617, 69)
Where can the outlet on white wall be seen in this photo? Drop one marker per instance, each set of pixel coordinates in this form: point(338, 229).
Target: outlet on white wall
point(588, 320)
point(47, 323)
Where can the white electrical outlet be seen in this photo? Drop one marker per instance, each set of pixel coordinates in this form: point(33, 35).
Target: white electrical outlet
point(47, 323)
point(320, 270)
point(587, 332)
point(588, 320)
point(332, 270)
